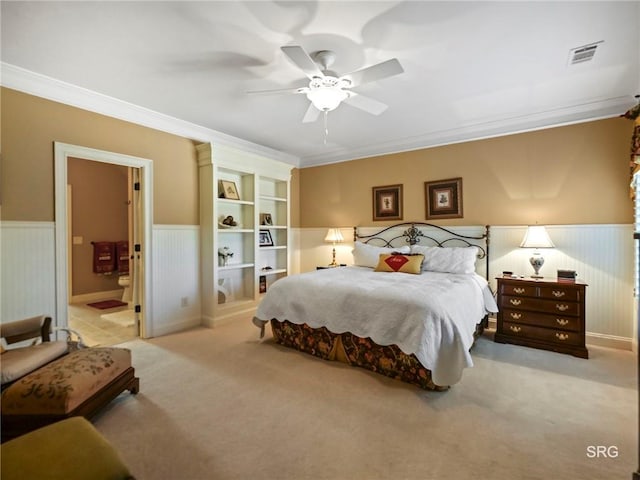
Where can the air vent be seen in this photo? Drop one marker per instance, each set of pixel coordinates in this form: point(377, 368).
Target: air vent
point(584, 53)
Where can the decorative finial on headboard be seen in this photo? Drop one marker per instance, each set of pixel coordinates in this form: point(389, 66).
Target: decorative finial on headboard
point(413, 235)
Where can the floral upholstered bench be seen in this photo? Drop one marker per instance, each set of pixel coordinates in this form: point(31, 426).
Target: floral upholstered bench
point(78, 384)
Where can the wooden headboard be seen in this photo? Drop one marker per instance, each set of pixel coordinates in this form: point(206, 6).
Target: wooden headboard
point(428, 234)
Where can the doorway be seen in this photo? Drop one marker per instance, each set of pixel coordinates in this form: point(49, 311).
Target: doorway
point(141, 244)
point(100, 225)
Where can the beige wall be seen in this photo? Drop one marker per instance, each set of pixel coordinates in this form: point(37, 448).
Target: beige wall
point(99, 213)
point(295, 198)
point(577, 174)
point(30, 126)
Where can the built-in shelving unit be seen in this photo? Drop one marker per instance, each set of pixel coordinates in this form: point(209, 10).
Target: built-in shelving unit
point(260, 238)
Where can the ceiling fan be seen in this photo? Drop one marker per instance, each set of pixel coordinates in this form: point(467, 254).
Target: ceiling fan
point(326, 90)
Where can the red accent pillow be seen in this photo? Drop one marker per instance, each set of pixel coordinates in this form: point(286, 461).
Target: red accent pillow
point(392, 262)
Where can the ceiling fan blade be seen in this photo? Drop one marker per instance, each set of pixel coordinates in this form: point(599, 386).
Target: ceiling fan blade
point(367, 104)
point(374, 72)
point(311, 115)
point(302, 59)
point(278, 91)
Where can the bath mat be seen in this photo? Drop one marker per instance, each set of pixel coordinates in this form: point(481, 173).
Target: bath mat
point(125, 318)
point(107, 304)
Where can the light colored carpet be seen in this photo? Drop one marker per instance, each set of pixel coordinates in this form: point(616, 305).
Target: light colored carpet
point(220, 404)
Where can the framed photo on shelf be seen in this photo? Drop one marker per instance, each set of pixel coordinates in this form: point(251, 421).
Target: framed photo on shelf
point(228, 190)
point(387, 202)
point(443, 198)
point(265, 219)
point(265, 238)
point(263, 284)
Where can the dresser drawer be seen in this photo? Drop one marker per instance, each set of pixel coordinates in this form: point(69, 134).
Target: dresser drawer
point(551, 335)
point(523, 290)
point(546, 306)
point(560, 293)
point(537, 319)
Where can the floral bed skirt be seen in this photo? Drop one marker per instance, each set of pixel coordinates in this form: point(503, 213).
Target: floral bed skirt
point(362, 352)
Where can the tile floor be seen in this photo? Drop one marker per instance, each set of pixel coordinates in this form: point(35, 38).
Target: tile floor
point(96, 330)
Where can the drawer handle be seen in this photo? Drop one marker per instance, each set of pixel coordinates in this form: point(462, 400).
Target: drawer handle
point(562, 336)
point(515, 316)
point(562, 307)
point(558, 293)
point(562, 321)
point(519, 290)
point(515, 301)
point(516, 329)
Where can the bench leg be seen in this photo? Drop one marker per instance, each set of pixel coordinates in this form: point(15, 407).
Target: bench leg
point(134, 385)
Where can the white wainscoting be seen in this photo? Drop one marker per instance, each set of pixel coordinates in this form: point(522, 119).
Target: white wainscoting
point(603, 256)
point(27, 273)
point(27, 265)
point(176, 277)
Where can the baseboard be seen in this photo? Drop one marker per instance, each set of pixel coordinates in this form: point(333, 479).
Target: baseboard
point(609, 341)
point(179, 326)
point(97, 296)
point(234, 316)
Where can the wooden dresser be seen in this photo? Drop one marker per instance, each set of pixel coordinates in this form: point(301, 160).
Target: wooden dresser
point(542, 313)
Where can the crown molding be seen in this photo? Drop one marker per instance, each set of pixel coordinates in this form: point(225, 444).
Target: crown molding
point(23, 80)
point(26, 81)
point(499, 127)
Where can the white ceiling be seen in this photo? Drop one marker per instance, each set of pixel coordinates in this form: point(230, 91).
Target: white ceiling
point(472, 69)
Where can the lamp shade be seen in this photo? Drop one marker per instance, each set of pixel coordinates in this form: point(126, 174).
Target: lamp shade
point(536, 237)
point(334, 235)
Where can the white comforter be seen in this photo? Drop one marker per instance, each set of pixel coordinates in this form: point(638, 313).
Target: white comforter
point(432, 315)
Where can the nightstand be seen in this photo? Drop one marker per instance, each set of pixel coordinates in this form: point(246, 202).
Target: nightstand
point(544, 313)
point(322, 267)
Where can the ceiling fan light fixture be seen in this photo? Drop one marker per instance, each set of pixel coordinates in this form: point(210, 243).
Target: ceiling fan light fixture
point(326, 99)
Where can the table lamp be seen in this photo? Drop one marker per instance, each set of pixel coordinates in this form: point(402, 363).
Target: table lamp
point(536, 237)
point(334, 236)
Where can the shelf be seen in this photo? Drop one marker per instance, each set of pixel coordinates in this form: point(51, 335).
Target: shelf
point(273, 199)
point(236, 266)
point(272, 272)
point(235, 202)
point(264, 189)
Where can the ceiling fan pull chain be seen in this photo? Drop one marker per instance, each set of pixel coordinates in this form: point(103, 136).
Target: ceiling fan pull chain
point(326, 127)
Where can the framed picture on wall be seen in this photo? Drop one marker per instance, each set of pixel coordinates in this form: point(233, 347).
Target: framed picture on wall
point(265, 238)
point(443, 198)
point(387, 202)
point(228, 189)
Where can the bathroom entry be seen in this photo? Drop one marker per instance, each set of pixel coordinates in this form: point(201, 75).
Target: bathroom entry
point(100, 240)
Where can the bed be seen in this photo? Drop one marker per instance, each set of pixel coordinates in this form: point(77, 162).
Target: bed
point(410, 307)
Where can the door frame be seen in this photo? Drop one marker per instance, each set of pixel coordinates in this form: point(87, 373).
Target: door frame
point(62, 152)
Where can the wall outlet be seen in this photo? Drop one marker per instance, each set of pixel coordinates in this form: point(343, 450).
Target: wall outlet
point(184, 302)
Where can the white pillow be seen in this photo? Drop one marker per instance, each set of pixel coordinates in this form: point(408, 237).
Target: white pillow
point(365, 255)
point(448, 259)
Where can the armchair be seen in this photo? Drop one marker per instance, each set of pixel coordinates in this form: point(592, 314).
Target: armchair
point(23, 359)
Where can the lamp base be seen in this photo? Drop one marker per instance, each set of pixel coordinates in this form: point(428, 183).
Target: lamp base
point(536, 262)
point(333, 260)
